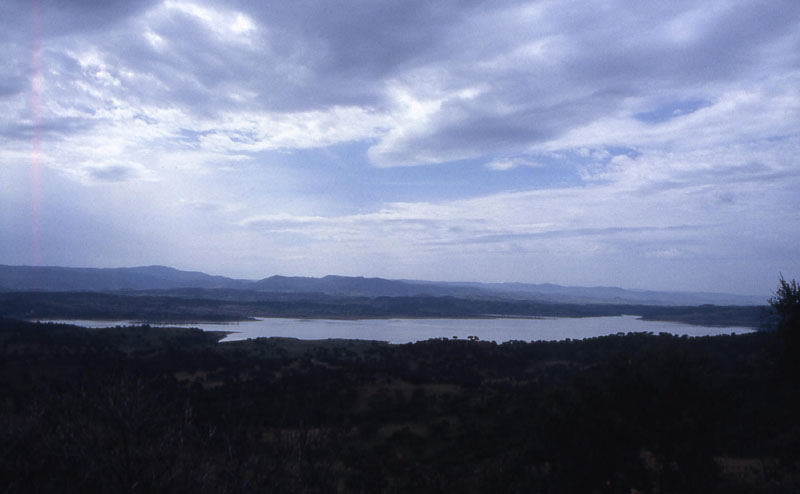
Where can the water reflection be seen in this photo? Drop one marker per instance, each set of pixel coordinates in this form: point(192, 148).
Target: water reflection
point(409, 330)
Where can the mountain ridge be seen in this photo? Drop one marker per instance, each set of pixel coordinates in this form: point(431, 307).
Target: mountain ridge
point(157, 277)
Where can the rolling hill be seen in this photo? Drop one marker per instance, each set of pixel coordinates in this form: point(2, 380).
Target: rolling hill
point(147, 278)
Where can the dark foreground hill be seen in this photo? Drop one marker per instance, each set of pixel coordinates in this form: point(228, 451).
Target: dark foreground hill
point(142, 409)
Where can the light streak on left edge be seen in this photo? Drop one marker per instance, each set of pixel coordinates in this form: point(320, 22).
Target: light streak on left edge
point(36, 88)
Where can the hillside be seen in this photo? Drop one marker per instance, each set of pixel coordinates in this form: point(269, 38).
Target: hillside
point(142, 409)
point(62, 279)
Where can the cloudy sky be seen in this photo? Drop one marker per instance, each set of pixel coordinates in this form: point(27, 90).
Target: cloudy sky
point(643, 144)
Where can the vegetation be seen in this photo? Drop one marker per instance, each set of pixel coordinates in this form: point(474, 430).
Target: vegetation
point(786, 304)
point(142, 409)
point(231, 305)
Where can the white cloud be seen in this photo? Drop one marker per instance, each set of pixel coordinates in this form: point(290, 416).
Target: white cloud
point(503, 164)
point(230, 26)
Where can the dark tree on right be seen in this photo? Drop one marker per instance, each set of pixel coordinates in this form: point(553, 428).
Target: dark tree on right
point(786, 303)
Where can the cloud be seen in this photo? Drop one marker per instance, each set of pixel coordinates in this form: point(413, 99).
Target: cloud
point(586, 78)
point(51, 128)
point(205, 206)
point(521, 217)
point(643, 131)
point(95, 173)
point(418, 82)
point(503, 164)
point(408, 223)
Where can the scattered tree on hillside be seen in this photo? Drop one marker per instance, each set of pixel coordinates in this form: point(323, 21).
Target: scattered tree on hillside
point(786, 303)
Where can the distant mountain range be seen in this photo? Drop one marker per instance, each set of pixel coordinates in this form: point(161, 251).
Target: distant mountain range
point(148, 278)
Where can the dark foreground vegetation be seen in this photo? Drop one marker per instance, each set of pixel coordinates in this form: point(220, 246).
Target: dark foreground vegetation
point(143, 409)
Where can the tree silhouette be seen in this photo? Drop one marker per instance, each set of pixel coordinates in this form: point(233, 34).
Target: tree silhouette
point(786, 303)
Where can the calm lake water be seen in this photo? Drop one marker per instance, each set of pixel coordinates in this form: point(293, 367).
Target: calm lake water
point(410, 330)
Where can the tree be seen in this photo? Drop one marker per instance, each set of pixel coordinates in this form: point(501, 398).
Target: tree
point(786, 303)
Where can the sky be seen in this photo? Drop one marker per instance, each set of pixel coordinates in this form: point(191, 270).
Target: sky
point(641, 144)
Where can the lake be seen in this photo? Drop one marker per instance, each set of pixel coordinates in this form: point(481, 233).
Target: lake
point(410, 330)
